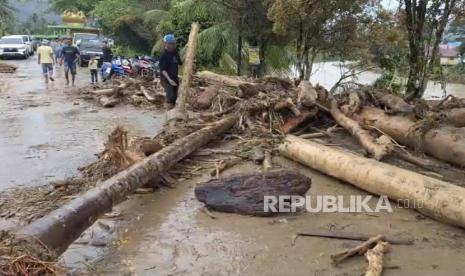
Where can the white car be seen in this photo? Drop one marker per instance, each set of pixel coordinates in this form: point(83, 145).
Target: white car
point(28, 40)
point(13, 46)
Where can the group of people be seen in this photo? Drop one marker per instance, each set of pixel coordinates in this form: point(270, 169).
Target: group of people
point(63, 53)
point(68, 56)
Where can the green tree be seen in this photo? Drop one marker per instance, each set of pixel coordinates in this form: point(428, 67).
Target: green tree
point(318, 26)
point(6, 16)
point(425, 21)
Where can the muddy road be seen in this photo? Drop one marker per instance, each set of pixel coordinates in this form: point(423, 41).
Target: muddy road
point(46, 132)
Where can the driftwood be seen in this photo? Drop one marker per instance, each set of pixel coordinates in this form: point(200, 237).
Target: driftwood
point(353, 105)
point(108, 101)
point(394, 103)
point(307, 95)
point(223, 165)
point(7, 68)
point(352, 237)
point(146, 94)
point(444, 142)
point(115, 91)
point(267, 161)
point(375, 259)
point(365, 139)
point(244, 194)
point(358, 250)
point(293, 123)
point(214, 78)
point(455, 116)
point(188, 67)
point(60, 228)
point(205, 99)
point(435, 198)
point(287, 104)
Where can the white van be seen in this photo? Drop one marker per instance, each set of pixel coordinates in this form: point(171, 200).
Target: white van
point(14, 46)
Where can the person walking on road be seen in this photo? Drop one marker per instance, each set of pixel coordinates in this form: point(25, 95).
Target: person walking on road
point(46, 60)
point(93, 67)
point(169, 67)
point(69, 56)
point(57, 50)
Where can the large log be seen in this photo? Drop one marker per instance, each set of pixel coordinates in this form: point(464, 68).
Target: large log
point(455, 116)
point(445, 142)
point(214, 78)
point(438, 199)
point(188, 67)
point(378, 151)
point(60, 228)
point(395, 103)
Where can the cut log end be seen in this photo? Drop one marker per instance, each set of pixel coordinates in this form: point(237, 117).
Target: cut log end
point(245, 194)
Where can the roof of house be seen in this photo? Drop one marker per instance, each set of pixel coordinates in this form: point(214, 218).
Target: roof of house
point(448, 51)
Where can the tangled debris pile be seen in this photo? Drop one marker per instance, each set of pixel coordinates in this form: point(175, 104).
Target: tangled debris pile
point(7, 68)
point(376, 123)
point(21, 257)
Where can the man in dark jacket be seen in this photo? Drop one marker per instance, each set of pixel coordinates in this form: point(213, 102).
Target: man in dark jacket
point(169, 67)
point(107, 53)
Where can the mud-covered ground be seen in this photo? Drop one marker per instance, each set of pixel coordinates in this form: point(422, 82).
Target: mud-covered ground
point(167, 233)
point(47, 132)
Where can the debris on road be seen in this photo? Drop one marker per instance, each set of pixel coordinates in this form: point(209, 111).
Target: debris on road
point(243, 194)
point(7, 68)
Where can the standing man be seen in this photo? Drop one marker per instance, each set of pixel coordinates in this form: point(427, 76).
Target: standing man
point(69, 56)
point(169, 63)
point(107, 53)
point(45, 59)
point(57, 50)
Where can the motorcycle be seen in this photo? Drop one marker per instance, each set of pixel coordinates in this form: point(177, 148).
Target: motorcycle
point(111, 70)
point(149, 67)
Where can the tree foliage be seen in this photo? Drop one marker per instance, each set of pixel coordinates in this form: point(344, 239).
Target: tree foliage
point(425, 21)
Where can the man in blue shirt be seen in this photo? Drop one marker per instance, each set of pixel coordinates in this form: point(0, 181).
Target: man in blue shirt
point(69, 56)
point(169, 67)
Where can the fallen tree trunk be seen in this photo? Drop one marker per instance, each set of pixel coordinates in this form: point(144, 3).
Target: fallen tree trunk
point(455, 116)
point(60, 228)
point(445, 142)
point(365, 139)
point(395, 103)
point(188, 67)
point(214, 78)
point(435, 198)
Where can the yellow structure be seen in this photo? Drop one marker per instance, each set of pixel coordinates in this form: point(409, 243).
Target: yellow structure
point(74, 19)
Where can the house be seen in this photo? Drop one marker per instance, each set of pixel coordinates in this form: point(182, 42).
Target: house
point(449, 55)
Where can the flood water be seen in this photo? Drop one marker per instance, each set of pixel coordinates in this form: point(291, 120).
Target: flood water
point(328, 73)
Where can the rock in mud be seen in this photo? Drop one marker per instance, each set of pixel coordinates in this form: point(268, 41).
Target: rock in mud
point(243, 194)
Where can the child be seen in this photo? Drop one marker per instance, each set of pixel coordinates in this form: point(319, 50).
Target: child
point(93, 66)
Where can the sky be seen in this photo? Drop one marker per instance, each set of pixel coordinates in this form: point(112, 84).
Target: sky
point(25, 8)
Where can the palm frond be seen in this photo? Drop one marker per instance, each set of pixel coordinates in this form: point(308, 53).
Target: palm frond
point(154, 17)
